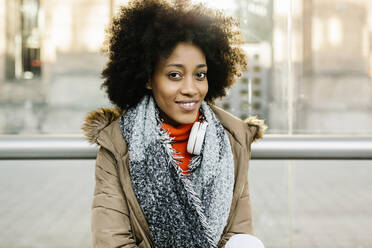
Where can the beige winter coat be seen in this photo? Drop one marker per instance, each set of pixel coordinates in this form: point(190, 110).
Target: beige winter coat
point(117, 218)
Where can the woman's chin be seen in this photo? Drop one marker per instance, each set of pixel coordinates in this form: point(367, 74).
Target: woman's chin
point(177, 116)
point(183, 118)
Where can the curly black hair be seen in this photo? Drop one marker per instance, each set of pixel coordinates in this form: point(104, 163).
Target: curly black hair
point(146, 30)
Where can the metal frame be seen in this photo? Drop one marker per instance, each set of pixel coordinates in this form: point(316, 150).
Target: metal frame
point(271, 147)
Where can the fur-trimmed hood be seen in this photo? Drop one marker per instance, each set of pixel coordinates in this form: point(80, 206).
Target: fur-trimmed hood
point(259, 123)
point(97, 120)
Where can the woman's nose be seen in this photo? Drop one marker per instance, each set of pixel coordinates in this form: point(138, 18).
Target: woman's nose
point(189, 86)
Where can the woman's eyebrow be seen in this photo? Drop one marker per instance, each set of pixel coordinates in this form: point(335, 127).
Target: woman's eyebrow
point(201, 66)
point(182, 66)
point(176, 65)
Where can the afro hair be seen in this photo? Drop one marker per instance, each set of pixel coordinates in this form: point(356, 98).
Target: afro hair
point(146, 30)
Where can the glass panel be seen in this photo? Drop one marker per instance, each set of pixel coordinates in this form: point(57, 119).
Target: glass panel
point(309, 65)
point(333, 91)
point(2, 42)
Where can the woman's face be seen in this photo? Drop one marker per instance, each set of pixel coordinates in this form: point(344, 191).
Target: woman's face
point(179, 84)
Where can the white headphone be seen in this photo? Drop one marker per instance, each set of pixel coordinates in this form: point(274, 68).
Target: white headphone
point(196, 138)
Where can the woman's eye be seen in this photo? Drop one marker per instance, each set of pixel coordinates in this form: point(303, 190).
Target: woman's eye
point(201, 75)
point(174, 75)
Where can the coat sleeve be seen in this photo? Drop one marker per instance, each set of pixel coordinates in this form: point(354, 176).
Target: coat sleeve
point(242, 218)
point(110, 223)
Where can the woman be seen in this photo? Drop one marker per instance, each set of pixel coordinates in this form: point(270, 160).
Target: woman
point(172, 168)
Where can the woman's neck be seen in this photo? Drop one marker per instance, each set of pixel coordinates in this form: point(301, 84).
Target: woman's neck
point(167, 120)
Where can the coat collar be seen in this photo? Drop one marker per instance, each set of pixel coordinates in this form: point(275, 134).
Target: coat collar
point(100, 124)
point(237, 127)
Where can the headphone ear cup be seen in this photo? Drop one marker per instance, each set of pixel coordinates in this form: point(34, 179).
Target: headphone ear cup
point(192, 138)
point(196, 138)
point(200, 138)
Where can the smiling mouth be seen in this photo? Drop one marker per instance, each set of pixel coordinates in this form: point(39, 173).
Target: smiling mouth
point(189, 105)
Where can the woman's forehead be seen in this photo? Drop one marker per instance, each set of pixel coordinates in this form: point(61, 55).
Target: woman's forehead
point(185, 53)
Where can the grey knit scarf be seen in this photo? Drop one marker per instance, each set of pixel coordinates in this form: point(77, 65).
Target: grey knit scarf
point(181, 210)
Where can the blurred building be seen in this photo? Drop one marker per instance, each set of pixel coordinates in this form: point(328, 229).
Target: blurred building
point(319, 65)
point(307, 60)
point(250, 94)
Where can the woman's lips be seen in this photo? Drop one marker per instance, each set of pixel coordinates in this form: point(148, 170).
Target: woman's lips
point(187, 106)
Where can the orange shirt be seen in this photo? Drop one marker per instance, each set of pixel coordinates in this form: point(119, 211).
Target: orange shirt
point(181, 135)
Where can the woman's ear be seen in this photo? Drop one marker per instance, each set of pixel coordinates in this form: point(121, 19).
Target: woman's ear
point(148, 85)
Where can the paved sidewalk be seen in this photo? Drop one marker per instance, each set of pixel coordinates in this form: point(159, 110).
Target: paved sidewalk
point(303, 204)
point(45, 203)
point(312, 204)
